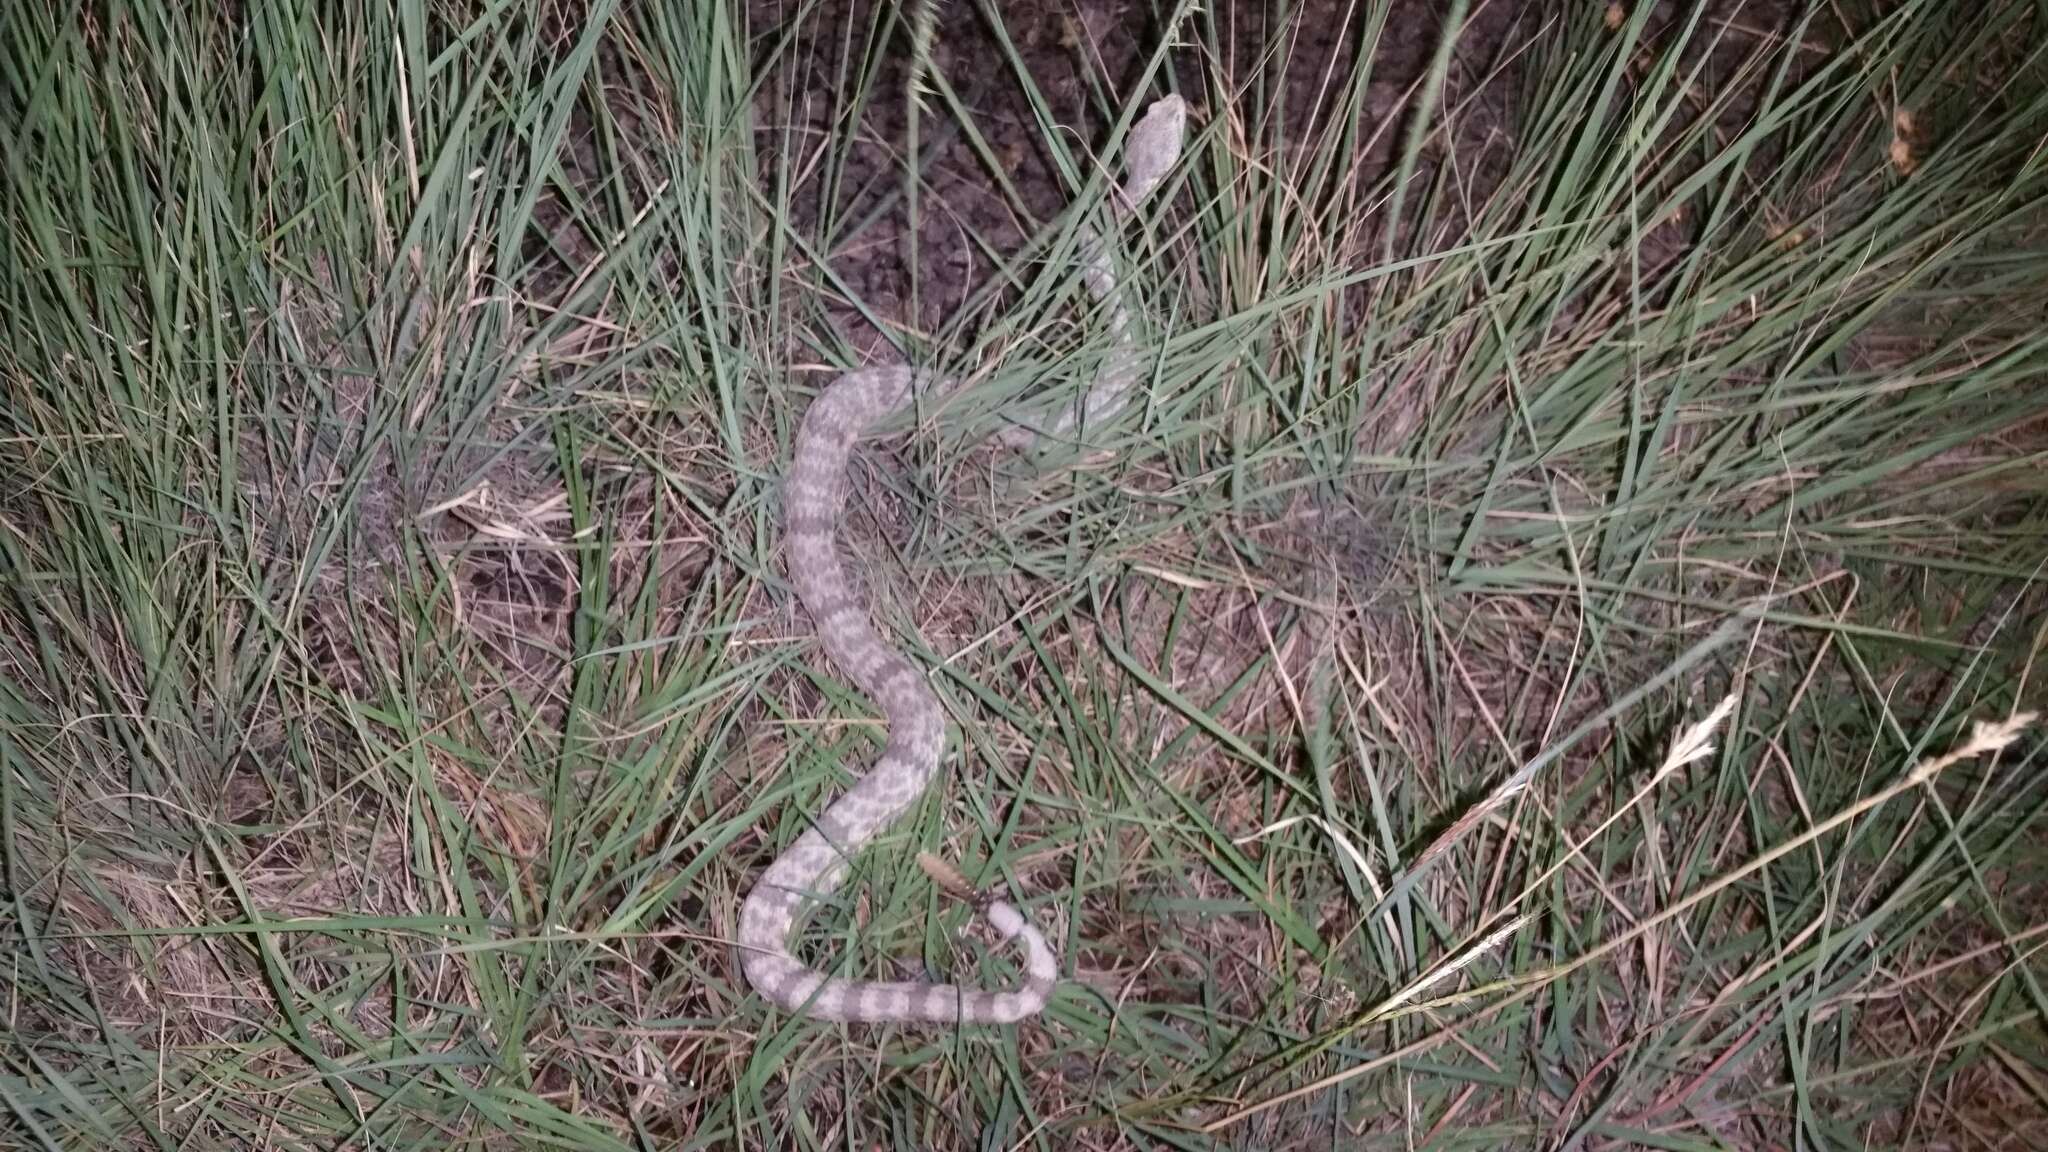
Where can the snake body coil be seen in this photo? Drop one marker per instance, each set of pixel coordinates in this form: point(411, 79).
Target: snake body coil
point(814, 497)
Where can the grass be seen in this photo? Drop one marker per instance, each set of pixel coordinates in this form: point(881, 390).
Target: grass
point(1515, 680)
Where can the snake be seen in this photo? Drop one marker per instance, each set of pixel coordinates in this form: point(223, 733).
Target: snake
point(814, 498)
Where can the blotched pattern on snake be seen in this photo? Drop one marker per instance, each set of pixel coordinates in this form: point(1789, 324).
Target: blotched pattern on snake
point(813, 498)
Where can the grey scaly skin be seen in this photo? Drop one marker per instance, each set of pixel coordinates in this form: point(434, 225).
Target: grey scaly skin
point(813, 498)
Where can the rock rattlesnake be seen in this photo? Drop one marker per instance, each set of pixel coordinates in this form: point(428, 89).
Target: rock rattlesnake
point(813, 497)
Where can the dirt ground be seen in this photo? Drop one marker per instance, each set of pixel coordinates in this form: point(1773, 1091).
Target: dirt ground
point(1086, 59)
